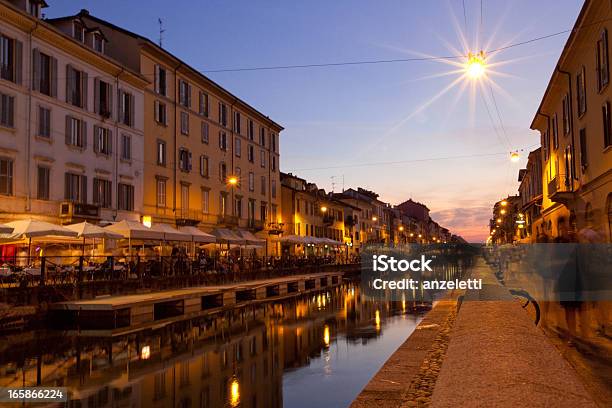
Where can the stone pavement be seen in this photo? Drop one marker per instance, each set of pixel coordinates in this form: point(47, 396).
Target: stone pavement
point(497, 357)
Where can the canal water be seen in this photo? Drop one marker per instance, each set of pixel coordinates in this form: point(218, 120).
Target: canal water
point(318, 350)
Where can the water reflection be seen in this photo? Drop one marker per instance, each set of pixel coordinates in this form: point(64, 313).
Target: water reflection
point(254, 356)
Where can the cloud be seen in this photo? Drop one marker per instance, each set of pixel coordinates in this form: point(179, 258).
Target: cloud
point(469, 222)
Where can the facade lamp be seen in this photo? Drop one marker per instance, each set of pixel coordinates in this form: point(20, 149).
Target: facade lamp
point(374, 218)
point(401, 228)
point(232, 180)
point(323, 209)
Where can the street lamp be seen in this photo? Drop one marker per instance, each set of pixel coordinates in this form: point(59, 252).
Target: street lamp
point(502, 212)
point(475, 66)
point(504, 203)
point(374, 218)
point(514, 157)
point(401, 228)
point(323, 209)
point(499, 220)
point(232, 180)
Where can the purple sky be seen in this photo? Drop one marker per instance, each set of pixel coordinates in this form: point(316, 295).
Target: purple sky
point(337, 118)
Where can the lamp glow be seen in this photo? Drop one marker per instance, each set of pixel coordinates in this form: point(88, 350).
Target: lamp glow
point(475, 66)
point(514, 157)
point(233, 180)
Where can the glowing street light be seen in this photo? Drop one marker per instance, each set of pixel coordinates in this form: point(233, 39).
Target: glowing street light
point(502, 212)
point(475, 66)
point(374, 218)
point(323, 209)
point(504, 203)
point(499, 220)
point(401, 228)
point(514, 157)
point(232, 181)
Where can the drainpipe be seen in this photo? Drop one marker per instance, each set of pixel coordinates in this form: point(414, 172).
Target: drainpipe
point(28, 205)
point(175, 150)
point(117, 148)
point(571, 120)
point(231, 150)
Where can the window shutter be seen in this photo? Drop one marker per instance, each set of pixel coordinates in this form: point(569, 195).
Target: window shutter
point(156, 78)
point(54, 77)
point(132, 109)
point(96, 95)
point(110, 142)
point(84, 133)
point(96, 131)
point(189, 95)
point(85, 82)
point(18, 62)
point(120, 116)
point(69, 82)
point(84, 189)
point(189, 161)
point(66, 186)
point(219, 112)
point(68, 119)
point(35, 69)
point(109, 104)
point(156, 109)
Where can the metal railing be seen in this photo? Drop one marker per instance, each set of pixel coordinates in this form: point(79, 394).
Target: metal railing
point(560, 183)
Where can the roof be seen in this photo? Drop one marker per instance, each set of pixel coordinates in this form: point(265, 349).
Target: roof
point(566, 47)
point(86, 13)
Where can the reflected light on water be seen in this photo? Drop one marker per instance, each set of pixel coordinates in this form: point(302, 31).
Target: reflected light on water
point(234, 393)
point(377, 320)
point(145, 352)
point(326, 335)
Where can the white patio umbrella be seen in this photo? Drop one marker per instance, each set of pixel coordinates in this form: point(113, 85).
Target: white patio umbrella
point(86, 230)
point(251, 239)
point(197, 235)
point(171, 233)
point(134, 230)
point(28, 229)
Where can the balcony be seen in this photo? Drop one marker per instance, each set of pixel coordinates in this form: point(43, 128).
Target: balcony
point(328, 220)
point(228, 220)
point(74, 211)
point(560, 189)
point(276, 228)
point(256, 225)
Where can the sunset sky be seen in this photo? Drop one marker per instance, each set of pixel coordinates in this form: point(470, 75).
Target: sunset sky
point(349, 122)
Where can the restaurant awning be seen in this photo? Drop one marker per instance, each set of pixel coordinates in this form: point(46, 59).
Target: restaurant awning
point(35, 228)
point(87, 230)
point(135, 230)
point(251, 239)
point(170, 233)
point(225, 235)
point(294, 239)
point(197, 235)
point(5, 229)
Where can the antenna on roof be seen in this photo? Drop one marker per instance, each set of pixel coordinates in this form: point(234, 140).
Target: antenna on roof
point(333, 183)
point(161, 31)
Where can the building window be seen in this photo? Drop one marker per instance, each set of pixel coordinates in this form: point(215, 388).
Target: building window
point(161, 192)
point(185, 198)
point(251, 154)
point(204, 131)
point(160, 80)
point(78, 31)
point(75, 187)
point(262, 137)
point(222, 114)
point(7, 110)
point(126, 147)
point(161, 153)
point(222, 172)
point(555, 131)
point(103, 101)
point(566, 116)
point(251, 181)
point(125, 197)
point(262, 158)
point(184, 160)
point(160, 113)
point(223, 203)
point(237, 122)
point(251, 211)
point(42, 192)
point(76, 87)
point(607, 124)
point(6, 176)
point(273, 141)
point(581, 92)
point(251, 132)
point(273, 212)
point(44, 78)
point(263, 211)
point(102, 140)
point(184, 123)
point(238, 174)
point(44, 122)
point(583, 149)
point(238, 207)
point(203, 103)
point(273, 163)
point(205, 201)
point(603, 70)
point(98, 42)
point(263, 185)
point(10, 59)
point(75, 132)
point(237, 146)
point(222, 141)
point(273, 188)
point(126, 108)
point(102, 193)
point(184, 93)
point(204, 166)
point(34, 8)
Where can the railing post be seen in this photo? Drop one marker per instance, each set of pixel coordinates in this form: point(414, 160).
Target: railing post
point(42, 271)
